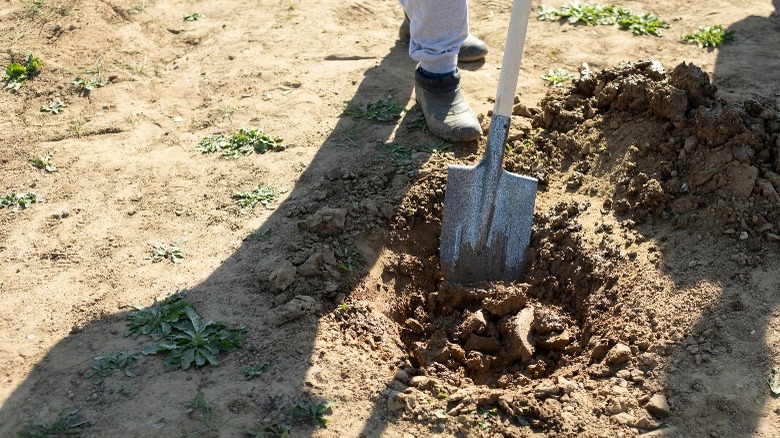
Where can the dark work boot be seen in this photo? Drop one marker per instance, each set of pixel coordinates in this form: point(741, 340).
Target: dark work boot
point(446, 111)
point(473, 49)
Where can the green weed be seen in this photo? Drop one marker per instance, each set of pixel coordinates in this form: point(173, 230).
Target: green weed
point(193, 341)
point(418, 123)
point(273, 429)
point(383, 110)
point(157, 320)
point(260, 235)
point(106, 366)
point(441, 415)
point(162, 251)
point(710, 36)
point(264, 195)
point(54, 106)
point(44, 162)
point(244, 142)
point(33, 6)
point(138, 9)
point(344, 134)
point(557, 77)
point(316, 412)
point(258, 369)
point(594, 14)
point(195, 16)
point(485, 416)
point(17, 74)
point(200, 410)
point(401, 155)
point(20, 201)
point(348, 259)
point(85, 86)
point(68, 423)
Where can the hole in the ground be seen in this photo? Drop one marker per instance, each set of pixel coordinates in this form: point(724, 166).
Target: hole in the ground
point(496, 334)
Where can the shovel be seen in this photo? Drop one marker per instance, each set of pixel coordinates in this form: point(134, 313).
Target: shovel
point(486, 223)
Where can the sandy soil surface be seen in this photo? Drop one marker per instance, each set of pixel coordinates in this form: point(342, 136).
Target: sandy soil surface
point(649, 304)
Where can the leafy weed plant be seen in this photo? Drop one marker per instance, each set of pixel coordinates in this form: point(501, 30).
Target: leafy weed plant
point(68, 423)
point(200, 410)
point(244, 142)
point(316, 412)
point(264, 195)
point(106, 366)
point(54, 106)
point(383, 110)
point(485, 417)
point(157, 320)
point(401, 155)
point(557, 77)
point(17, 74)
point(195, 16)
point(256, 370)
point(348, 259)
point(20, 201)
point(85, 86)
point(710, 36)
point(273, 429)
point(196, 342)
point(44, 162)
point(162, 251)
point(418, 123)
point(594, 14)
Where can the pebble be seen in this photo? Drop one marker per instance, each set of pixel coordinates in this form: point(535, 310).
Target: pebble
point(743, 235)
point(619, 354)
point(658, 406)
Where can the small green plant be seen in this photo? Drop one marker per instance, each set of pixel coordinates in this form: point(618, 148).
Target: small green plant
point(200, 410)
point(138, 9)
point(441, 415)
point(244, 142)
point(17, 74)
point(557, 77)
point(774, 380)
point(348, 259)
point(401, 155)
point(34, 6)
point(54, 106)
point(157, 320)
point(315, 411)
point(106, 366)
point(260, 235)
point(68, 423)
point(485, 416)
point(162, 251)
point(264, 195)
point(273, 429)
point(44, 162)
point(20, 201)
point(442, 395)
point(86, 85)
point(383, 110)
point(256, 370)
point(344, 134)
point(710, 36)
point(418, 123)
point(195, 16)
point(196, 342)
point(594, 14)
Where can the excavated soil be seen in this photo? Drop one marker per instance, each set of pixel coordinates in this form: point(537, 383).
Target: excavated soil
point(648, 302)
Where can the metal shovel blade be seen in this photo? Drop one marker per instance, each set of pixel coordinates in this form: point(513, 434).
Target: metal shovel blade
point(486, 222)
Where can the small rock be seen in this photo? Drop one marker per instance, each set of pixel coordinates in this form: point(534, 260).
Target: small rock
point(772, 237)
point(517, 343)
point(625, 419)
point(311, 266)
point(619, 354)
point(483, 344)
point(395, 403)
point(545, 389)
point(402, 376)
point(327, 221)
point(294, 309)
point(420, 382)
point(282, 276)
point(658, 406)
point(616, 405)
point(743, 235)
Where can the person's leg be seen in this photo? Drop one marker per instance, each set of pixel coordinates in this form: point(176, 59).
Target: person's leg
point(472, 49)
point(438, 28)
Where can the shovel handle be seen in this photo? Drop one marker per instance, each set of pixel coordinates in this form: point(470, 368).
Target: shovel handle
point(513, 55)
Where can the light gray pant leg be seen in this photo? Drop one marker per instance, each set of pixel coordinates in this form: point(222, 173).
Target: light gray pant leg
point(438, 28)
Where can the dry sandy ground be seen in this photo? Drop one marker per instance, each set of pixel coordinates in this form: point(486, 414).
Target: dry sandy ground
point(629, 260)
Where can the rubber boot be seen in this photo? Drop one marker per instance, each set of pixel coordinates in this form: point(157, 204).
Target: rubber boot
point(473, 49)
point(446, 111)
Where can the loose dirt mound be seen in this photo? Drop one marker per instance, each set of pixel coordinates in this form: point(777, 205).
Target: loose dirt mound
point(646, 145)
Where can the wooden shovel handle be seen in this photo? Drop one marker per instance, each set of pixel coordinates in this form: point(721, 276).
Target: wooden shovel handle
point(513, 55)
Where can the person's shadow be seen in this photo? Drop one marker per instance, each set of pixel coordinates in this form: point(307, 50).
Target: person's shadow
point(751, 64)
point(716, 379)
point(355, 166)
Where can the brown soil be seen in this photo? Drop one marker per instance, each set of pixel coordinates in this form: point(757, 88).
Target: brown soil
point(648, 301)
